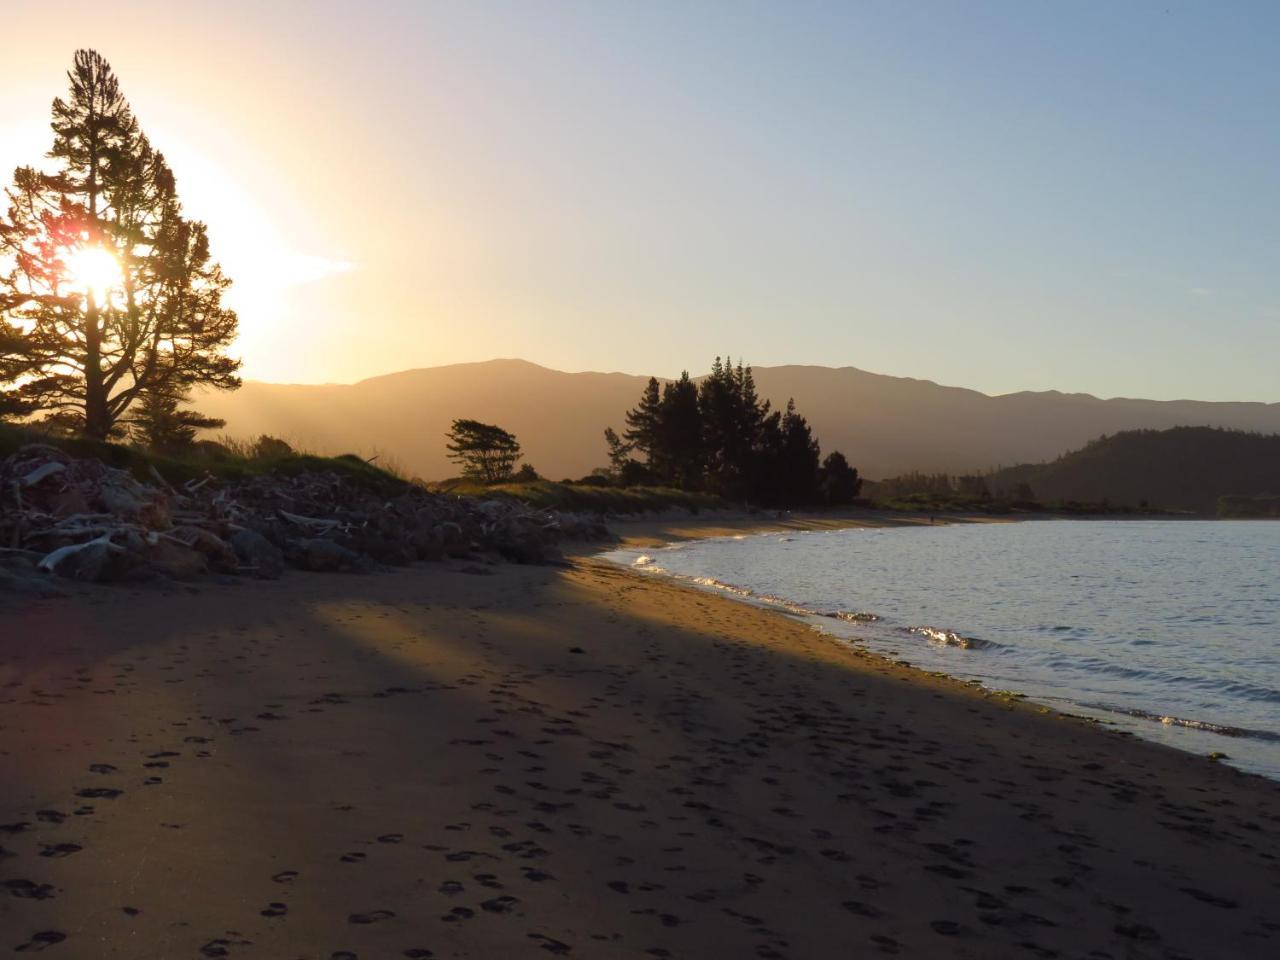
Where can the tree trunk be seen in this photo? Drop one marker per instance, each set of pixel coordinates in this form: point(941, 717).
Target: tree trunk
point(97, 418)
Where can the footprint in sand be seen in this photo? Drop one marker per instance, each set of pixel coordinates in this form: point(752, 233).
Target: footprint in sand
point(550, 944)
point(221, 947)
point(59, 849)
point(274, 909)
point(28, 889)
point(373, 916)
point(502, 904)
point(41, 940)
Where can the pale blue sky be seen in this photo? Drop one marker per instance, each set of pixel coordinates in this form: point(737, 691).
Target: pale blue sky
point(1007, 196)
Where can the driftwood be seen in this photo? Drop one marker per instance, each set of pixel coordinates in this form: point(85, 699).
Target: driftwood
point(51, 562)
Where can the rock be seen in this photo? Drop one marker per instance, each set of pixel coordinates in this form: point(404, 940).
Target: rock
point(175, 561)
point(384, 549)
point(323, 556)
point(120, 500)
point(525, 544)
point(30, 585)
point(215, 549)
point(68, 502)
point(21, 562)
point(428, 541)
point(256, 551)
point(456, 543)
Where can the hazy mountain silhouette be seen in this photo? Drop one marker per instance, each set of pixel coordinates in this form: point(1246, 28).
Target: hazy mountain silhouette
point(1186, 468)
point(886, 425)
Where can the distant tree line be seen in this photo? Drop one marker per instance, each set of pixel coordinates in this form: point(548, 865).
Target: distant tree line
point(965, 486)
point(718, 436)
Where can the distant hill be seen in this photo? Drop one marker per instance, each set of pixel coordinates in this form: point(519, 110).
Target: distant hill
point(1186, 468)
point(886, 425)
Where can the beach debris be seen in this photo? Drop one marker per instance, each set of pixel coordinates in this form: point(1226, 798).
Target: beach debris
point(78, 518)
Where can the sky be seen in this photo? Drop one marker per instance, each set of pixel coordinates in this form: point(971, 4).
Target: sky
point(1005, 196)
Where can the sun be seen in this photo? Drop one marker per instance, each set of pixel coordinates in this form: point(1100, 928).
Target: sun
point(92, 269)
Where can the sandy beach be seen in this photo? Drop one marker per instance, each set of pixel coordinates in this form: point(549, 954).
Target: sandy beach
point(462, 760)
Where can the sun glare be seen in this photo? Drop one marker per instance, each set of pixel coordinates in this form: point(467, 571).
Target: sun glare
point(92, 269)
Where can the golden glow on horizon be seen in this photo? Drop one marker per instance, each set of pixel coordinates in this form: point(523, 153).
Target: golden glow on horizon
point(259, 255)
point(91, 269)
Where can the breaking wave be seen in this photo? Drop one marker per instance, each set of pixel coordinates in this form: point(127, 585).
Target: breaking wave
point(949, 638)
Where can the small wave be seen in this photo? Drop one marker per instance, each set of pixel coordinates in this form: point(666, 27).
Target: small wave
point(1188, 723)
point(720, 585)
point(853, 616)
point(949, 638)
point(785, 604)
point(642, 560)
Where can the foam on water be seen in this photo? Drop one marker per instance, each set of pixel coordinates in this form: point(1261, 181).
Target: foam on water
point(1170, 629)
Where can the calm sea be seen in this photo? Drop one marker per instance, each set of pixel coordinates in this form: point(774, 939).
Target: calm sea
point(1169, 629)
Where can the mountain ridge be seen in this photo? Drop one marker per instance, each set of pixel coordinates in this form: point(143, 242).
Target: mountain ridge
point(1182, 468)
point(885, 424)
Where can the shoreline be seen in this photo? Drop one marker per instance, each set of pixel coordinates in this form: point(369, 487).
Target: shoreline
point(514, 761)
point(649, 532)
point(681, 527)
point(659, 535)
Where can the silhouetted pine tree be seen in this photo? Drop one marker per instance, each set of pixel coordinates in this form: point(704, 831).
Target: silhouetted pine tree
point(484, 451)
point(800, 459)
point(85, 356)
point(839, 482)
point(158, 421)
point(680, 434)
point(642, 424)
point(619, 452)
point(732, 421)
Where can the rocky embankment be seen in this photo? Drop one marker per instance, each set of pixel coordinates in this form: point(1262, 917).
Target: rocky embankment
point(80, 519)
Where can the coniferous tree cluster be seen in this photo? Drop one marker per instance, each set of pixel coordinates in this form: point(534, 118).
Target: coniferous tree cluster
point(720, 437)
point(110, 303)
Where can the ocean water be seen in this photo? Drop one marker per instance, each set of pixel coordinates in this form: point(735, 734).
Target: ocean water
point(1168, 629)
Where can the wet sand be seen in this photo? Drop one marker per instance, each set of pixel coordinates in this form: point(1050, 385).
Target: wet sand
point(465, 761)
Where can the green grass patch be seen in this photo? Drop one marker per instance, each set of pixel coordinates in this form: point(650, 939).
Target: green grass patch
point(584, 498)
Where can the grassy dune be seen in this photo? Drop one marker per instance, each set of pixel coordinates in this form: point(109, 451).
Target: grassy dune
point(585, 498)
point(236, 461)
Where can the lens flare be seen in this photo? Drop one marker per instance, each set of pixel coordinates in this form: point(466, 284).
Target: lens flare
point(92, 269)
